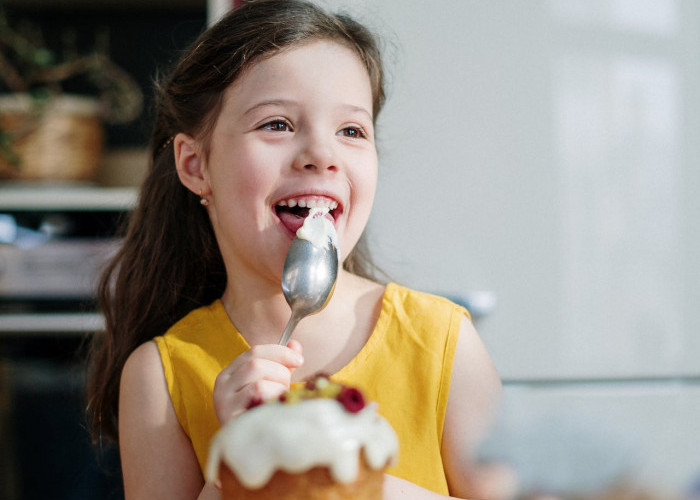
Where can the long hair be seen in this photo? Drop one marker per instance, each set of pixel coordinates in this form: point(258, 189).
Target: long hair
point(169, 262)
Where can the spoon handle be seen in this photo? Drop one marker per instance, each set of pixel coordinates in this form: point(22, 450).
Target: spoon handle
point(291, 325)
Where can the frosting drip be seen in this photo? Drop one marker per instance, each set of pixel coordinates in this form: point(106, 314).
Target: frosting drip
point(298, 437)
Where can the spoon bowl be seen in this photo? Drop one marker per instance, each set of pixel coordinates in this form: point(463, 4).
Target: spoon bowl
point(308, 280)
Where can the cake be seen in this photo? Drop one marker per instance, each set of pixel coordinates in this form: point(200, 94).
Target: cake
point(317, 442)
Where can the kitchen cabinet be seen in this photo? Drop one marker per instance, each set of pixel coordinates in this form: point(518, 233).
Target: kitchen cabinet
point(40, 271)
point(53, 239)
point(47, 306)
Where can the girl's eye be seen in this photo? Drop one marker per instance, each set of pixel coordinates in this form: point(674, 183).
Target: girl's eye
point(353, 132)
point(277, 126)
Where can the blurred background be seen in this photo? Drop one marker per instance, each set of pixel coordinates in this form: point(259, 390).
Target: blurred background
point(539, 164)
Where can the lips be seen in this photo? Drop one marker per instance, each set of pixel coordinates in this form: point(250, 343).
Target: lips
point(292, 211)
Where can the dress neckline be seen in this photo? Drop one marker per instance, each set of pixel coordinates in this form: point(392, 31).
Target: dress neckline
point(348, 370)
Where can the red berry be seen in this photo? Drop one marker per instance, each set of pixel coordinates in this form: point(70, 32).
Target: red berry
point(351, 399)
point(256, 401)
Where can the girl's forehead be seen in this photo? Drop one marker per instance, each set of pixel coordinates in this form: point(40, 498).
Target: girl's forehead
point(323, 65)
point(312, 58)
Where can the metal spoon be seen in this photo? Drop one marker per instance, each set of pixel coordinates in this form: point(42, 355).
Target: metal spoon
point(308, 280)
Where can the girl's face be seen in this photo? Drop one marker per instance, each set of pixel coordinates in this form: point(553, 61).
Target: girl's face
point(294, 129)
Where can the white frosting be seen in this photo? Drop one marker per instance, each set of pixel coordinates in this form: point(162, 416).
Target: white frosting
point(318, 229)
point(296, 437)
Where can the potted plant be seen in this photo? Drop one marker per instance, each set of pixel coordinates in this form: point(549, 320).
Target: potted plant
point(47, 132)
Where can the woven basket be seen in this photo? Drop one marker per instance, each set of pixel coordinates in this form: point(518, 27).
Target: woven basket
point(60, 141)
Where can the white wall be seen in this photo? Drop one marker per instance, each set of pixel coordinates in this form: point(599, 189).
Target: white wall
point(548, 151)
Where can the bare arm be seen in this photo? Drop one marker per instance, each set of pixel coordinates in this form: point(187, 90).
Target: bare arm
point(474, 394)
point(158, 460)
point(396, 488)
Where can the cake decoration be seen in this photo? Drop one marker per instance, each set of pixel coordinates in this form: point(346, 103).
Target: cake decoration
point(320, 424)
point(320, 387)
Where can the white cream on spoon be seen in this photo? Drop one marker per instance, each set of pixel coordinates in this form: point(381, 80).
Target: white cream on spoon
point(310, 269)
point(318, 229)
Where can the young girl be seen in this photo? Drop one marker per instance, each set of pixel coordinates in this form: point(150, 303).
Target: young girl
point(272, 109)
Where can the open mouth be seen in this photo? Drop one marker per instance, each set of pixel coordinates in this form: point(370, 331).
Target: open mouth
point(293, 211)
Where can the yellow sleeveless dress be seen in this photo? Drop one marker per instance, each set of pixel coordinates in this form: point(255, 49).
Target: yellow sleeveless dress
point(405, 367)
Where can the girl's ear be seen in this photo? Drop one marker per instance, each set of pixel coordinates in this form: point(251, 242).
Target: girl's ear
point(190, 164)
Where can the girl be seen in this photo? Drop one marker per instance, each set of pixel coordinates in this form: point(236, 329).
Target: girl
point(271, 110)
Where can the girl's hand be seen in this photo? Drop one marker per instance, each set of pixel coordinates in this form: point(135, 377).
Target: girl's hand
point(262, 372)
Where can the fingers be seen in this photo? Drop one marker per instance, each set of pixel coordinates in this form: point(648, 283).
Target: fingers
point(283, 355)
point(263, 372)
point(269, 361)
point(261, 390)
point(295, 345)
point(253, 369)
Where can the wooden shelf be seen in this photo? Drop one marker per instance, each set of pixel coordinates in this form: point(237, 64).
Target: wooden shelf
point(28, 197)
point(50, 323)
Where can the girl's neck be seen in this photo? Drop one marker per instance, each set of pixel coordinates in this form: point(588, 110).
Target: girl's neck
point(260, 312)
point(255, 309)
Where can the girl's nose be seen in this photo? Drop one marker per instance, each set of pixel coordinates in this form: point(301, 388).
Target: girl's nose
point(316, 153)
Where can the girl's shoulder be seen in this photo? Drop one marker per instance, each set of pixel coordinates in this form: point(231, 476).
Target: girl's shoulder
point(144, 357)
point(415, 303)
point(201, 317)
point(143, 372)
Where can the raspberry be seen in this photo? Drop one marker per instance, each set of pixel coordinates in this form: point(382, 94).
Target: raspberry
point(256, 401)
point(351, 399)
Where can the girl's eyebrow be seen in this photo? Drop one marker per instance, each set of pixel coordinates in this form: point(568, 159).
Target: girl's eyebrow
point(358, 109)
point(288, 102)
point(268, 102)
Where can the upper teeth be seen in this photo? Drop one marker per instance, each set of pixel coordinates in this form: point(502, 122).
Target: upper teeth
point(309, 203)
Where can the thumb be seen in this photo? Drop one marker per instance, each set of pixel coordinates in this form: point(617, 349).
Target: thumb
point(295, 346)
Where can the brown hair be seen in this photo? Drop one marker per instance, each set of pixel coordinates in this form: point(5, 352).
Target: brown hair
point(169, 263)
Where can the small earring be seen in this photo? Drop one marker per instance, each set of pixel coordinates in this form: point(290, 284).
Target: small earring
point(202, 200)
